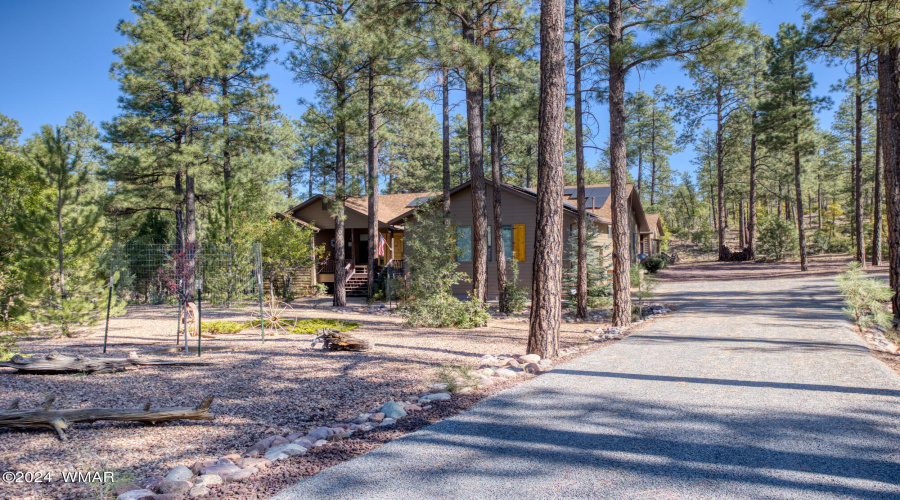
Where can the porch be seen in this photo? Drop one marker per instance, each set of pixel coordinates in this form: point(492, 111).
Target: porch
point(356, 256)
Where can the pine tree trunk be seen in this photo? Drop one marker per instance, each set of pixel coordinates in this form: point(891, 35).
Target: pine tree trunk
point(859, 229)
point(475, 121)
point(653, 158)
point(445, 142)
point(497, 178)
point(340, 289)
point(310, 172)
point(226, 170)
point(190, 237)
point(751, 206)
point(581, 272)
point(877, 216)
point(801, 232)
point(741, 242)
point(372, 186)
point(720, 171)
point(889, 104)
point(618, 168)
point(546, 291)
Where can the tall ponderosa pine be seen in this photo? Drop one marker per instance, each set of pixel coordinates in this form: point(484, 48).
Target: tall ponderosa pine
point(639, 33)
point(546, 287)
point(322, 55)
point(169, 75)
point(787, 115)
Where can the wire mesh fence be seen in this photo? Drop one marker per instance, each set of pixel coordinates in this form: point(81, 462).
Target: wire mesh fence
point(212, 277)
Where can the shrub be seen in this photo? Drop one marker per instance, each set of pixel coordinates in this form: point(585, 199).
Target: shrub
point(864, 298)
point(432, 274)
point(309, 326)
point(516, 294)
point(445, 311)
point(456, 377)
point(654, 263)
point(8, 346)
point(777, 238)
point(222, 326)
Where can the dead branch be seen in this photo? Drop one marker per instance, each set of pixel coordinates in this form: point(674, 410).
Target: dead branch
point(60, 363)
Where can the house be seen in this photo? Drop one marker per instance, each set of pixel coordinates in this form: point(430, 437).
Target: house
point(653, 241)
point(315, 213)
point(519, 215)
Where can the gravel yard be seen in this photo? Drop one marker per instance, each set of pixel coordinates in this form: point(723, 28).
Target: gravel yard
point(283, 383)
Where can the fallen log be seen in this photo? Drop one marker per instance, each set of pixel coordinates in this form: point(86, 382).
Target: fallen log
point(335, 340)
point(59, 420)
point(60, 363)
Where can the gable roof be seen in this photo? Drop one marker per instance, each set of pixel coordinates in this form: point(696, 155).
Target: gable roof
point(389, 205)
point(597, 196)
point(509, 188)
point(655, 222)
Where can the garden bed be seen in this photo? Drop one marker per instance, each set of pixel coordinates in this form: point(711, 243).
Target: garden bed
point(259, 388)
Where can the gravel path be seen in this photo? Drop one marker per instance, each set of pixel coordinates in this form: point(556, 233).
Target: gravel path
point(753, 389)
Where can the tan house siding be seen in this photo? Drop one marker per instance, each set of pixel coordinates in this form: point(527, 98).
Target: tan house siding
point(316, 213)
point(516, 210)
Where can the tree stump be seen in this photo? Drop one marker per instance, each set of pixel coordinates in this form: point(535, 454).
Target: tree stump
point(335, 340)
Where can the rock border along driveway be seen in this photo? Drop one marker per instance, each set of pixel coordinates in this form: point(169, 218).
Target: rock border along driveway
point(753, 389)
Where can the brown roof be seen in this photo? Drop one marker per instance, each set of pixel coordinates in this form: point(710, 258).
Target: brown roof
point(655, 223)
point(601, 207)
point(389, 205)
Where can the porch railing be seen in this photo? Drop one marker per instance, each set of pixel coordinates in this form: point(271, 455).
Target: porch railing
point(326, 266)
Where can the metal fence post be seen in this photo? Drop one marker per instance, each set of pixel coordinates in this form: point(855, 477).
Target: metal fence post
point(112, 264)
point(262, 317)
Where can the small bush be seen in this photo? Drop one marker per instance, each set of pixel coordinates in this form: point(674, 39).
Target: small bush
point(456, 377)
point(8, 346)
point(777, 238)
point(445, 311)
point(309, 326)
point(516, 294)
point(654, 263)
point(864, 298)
point(642, 289)
point(222, 327)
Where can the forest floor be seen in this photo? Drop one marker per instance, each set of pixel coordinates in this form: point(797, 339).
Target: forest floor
point(757, 387)
point(259, 388)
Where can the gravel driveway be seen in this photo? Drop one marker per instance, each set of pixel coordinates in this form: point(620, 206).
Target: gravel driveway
point(752, 389)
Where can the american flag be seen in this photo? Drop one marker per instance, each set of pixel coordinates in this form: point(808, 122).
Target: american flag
point(381, 243)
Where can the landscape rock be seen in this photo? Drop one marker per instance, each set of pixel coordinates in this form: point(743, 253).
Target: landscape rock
point(259, 463)
point(530, 358)
point(513, 363)
point(304, 442)
point(180, 487)
point(180, 473)
point(198, 491)
point(241, 475)
point(124, 488)
point(409, 408)
point(166, 496)
point(387, 421)
point(208, 479)
point(440, 396)
point(465, 390)
point(367, 426)
point(135, 494)
point(533, 368)
point(320, 433)
point(222, 468)
point(505, 373)
point(439, 387)
point(378, 417)
point(294, 436)
point(283, 451)
point(151, 483)
point(322, 441)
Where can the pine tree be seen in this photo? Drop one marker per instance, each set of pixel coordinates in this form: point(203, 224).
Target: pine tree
point(787, 115)
point(62, 237)
point(599, 288)
point(9, 132)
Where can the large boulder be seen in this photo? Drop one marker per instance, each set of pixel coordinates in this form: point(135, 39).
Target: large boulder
point(529, 358)
point(222, 468)
point(180, 473)
point(177, 487)
point(283, 451)
point(135, 494)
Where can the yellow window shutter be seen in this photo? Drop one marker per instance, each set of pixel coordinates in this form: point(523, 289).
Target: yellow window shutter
point(519, 241)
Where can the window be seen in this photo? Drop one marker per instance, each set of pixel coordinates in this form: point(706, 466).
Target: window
point(508, 242)
point(464, 244)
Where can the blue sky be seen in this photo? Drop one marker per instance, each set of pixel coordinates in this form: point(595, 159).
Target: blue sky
point(56, 56)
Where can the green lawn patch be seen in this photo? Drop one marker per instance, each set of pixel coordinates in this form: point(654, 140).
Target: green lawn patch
point(309, 326)
point(222, 327)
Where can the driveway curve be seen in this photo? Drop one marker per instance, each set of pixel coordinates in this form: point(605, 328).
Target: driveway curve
point(752, 389)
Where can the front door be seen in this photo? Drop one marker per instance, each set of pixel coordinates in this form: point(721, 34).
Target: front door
point(362, 249)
